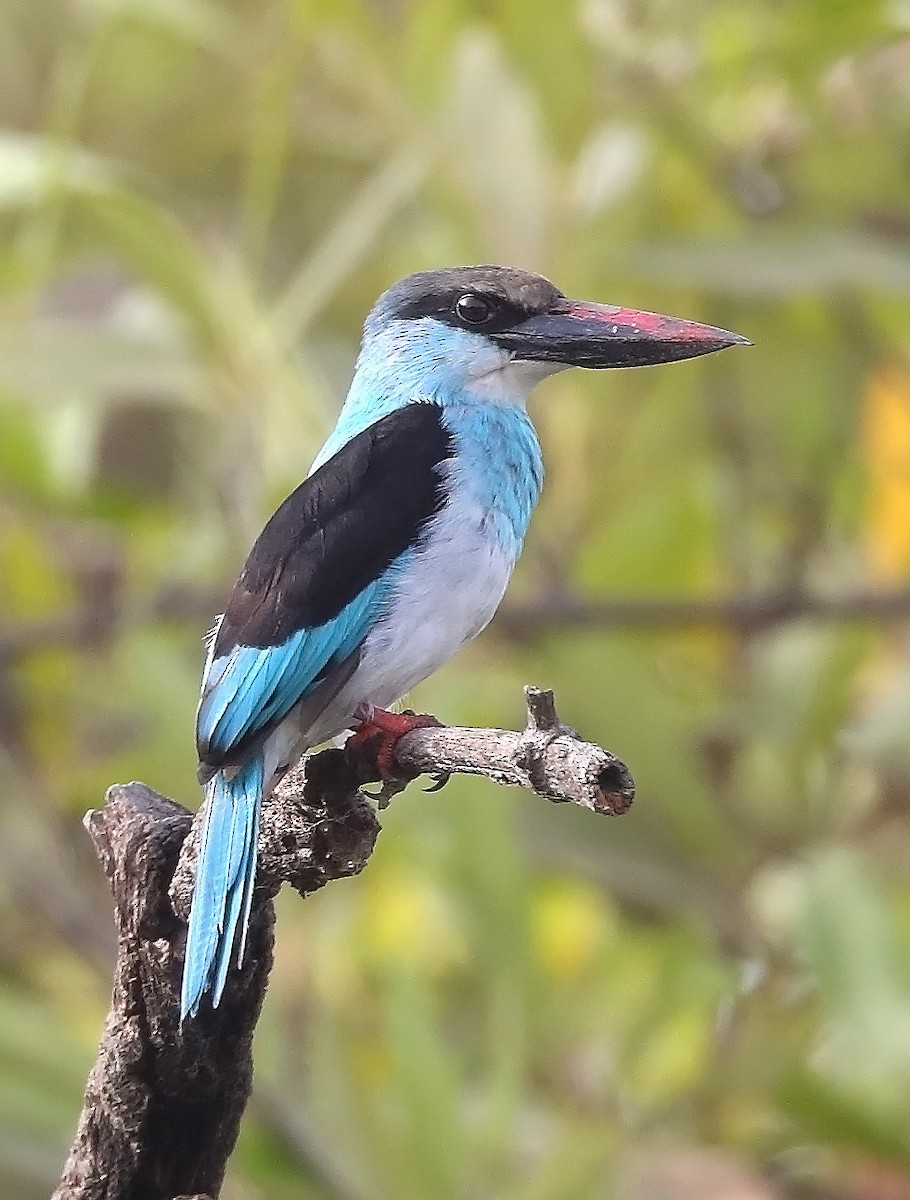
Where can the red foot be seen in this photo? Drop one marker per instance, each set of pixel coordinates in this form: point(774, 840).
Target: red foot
point(378, 733)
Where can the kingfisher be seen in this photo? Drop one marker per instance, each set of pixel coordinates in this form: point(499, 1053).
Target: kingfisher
point(393, 553)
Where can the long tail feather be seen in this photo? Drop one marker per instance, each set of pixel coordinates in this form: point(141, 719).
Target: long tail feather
point(225, 875)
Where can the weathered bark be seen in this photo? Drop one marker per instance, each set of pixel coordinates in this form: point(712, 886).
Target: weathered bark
point(163, 1103)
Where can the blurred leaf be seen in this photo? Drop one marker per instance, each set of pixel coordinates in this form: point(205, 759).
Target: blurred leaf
point(201, 22)
point(31, 167)
point(497, 155)
point(56, 362)
point(350, 239)
point(154, 243)
point(836, 1116)
point(425, 1071)
point(850, 937)
point(774, 266)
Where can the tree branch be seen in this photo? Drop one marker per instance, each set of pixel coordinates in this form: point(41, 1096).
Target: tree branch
point(163, 1104)
point(548, 758)
point(95, 623)
point(741, 611)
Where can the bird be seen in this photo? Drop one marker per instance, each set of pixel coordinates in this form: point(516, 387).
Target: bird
point(392, 554)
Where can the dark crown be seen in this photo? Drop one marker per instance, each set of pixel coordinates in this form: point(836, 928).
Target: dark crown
point(512, 294)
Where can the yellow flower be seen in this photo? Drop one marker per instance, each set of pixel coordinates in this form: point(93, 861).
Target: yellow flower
point(571, 923)
point(408, 922)
point(886, 452)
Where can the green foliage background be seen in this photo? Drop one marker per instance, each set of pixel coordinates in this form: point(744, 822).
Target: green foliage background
point(199, 200)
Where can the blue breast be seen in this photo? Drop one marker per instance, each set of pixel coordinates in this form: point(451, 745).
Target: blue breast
point(498, 466)
point(498, 463)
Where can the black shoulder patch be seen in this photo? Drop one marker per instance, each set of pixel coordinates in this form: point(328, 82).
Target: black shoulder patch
point(340, 529)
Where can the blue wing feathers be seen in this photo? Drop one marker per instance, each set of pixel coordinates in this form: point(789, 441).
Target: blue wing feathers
point(253, 687)
point(246, 691)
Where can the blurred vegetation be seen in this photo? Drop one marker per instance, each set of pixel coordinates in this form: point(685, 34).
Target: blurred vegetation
point(199, 201)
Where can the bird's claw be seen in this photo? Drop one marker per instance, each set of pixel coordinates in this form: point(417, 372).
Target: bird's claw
point(440, 779)
point(386, 793)
point(373, 743)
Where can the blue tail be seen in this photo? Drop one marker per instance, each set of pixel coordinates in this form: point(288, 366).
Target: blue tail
point(225, 873)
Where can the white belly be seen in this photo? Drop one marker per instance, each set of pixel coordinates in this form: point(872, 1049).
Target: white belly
point(444, 597)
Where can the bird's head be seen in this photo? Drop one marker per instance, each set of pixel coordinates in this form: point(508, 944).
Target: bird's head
point(494, 332)
point(490, 334)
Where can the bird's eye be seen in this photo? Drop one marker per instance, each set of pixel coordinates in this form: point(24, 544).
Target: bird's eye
point(473, 309)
